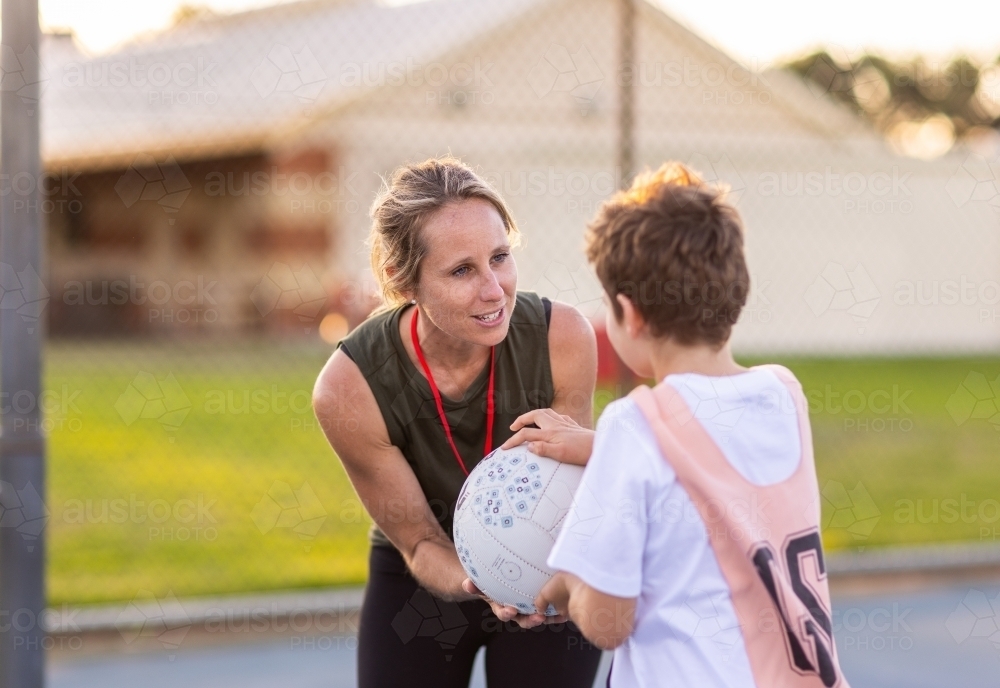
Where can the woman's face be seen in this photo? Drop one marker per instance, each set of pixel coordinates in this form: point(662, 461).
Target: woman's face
point(468, 278)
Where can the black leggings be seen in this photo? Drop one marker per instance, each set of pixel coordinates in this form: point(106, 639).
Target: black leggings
point(407, 638)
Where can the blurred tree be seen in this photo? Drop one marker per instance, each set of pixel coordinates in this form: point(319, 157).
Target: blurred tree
point(889, 93)
point(187, 12)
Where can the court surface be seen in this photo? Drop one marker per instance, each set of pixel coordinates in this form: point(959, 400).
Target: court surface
point(927, 639)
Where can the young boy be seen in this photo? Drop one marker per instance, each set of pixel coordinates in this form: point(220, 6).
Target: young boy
point(693, 544)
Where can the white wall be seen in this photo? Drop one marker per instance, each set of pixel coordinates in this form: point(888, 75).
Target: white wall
point(758, 133)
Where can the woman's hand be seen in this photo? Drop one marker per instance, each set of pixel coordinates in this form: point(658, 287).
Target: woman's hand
point(556, 436)
point(508, 613)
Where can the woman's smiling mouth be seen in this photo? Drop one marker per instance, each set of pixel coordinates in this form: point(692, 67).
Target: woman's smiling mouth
point(491, 318)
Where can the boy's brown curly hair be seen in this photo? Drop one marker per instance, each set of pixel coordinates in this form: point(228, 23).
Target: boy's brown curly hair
point(674, 247)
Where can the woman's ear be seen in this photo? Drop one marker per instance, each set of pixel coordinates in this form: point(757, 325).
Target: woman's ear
point(632, 320)
point(390, 272)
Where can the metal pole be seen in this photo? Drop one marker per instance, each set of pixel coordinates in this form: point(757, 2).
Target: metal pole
point(628, 75)
point(22, 453)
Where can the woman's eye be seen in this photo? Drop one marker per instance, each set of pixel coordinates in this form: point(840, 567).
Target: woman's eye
point(500, 257)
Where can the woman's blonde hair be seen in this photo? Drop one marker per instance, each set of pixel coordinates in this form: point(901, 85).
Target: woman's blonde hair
point(399, 212)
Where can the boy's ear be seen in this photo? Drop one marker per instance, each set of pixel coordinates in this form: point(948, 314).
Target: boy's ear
point(632, 319)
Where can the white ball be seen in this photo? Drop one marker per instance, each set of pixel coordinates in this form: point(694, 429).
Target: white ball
point(507, 518)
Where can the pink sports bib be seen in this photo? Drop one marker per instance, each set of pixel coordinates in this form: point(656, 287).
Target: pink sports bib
point(766, 539)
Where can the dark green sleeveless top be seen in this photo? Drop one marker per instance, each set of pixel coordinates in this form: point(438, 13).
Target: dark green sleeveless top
point(522, 382)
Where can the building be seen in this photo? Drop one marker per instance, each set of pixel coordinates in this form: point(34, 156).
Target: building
point(245, 150)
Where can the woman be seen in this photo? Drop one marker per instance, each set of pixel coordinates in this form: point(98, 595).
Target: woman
point(417, 379)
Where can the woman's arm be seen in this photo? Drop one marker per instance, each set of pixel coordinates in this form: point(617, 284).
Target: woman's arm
point(564, 432)
point(352, 422)
point(573, 359)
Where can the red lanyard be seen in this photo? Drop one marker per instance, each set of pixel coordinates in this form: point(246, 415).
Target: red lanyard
point(440, 406)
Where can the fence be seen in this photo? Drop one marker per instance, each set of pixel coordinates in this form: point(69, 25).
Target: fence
point(205, 195)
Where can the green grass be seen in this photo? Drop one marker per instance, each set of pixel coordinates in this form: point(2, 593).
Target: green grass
point(910, 455)
point(229, 459)
point(226, 458)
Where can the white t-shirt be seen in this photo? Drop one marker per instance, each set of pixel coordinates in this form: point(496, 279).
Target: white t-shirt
point(633, 531)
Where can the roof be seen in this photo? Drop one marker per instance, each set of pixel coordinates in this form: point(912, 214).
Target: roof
point(791, 97)
point(223, 85)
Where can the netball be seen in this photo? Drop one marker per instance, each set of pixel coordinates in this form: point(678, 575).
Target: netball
point(507, 518)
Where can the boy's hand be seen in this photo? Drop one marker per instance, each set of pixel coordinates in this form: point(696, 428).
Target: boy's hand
point(509, 613)
point(556, 593)
point(556, 436)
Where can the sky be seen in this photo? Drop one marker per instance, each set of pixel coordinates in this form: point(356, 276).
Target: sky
point(761, 31)
point(772, 29)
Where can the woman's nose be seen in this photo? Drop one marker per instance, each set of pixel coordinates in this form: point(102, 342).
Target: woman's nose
point(490, 288)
